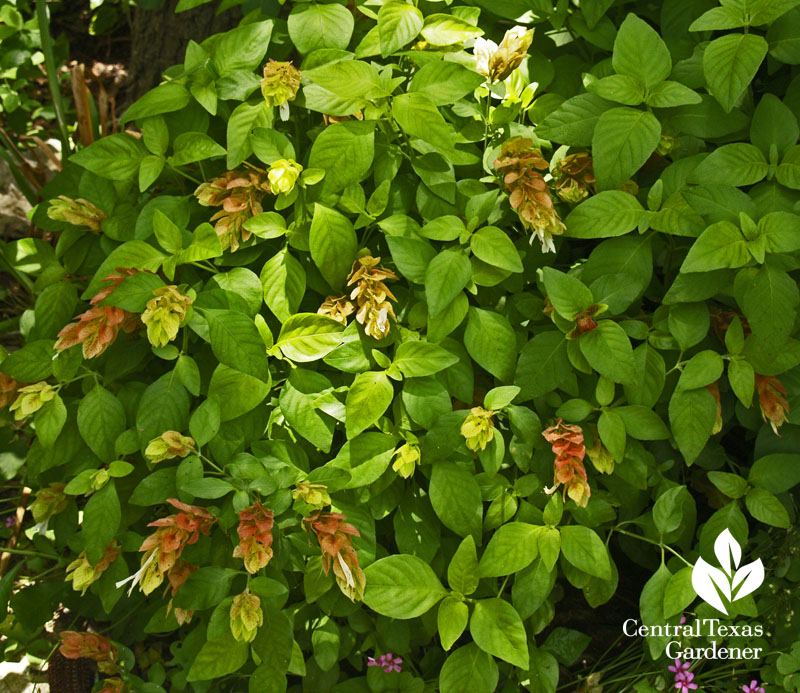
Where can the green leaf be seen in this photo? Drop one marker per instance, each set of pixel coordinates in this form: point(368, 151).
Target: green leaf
point(584, 549)
point(574, 121)
point(398, 24)
point(236, 393)
point(769, 298)
point(49, 421)
point(568, 294)
point(445, 29)
point(543, 364)
point(101, 518)
point(668, 509)
point(732, 485)
point(133, 254)
point(418, 117)
point(134, 292)
point(101, 419)
point(30, 363)
point(513, 547)
point(737, 164)
point(402, 586)
point(692, 414)
point(367, 399)
point(244, 119)
point(462, 573)
point(611, 428)
point(340, 88)
point(115, 157)
point(702, 369)
point(54, 308)
point(642, 423)
point(500, 397)
point(207, 487)
point(313, 26)
point(650, 66)
point(445, 82)
point(721, 245)
point(242, 48)
point(469, 669)
point(784, 39)
point(165, 98)
point(218, 658)
point(194, 146)
point(417, 358)
point(623, 140)
point(491, 342)
point(619, 88)
point(456, 499)
point(679, 592)
point(766, 508)
point(284, 282)
point(493, 246)
point(237, 343)
point(412, 256)
point(718, 18)
point(498, 630)
point(333, 245)
point(308, 337)
point(451, 620)
point(776, 473)
point(651, 606)
point(446, 275)
point(155, 488)
point(345, 151)
point(773, 123)
point(729, 64)
point(671, 94)
point(608, 350)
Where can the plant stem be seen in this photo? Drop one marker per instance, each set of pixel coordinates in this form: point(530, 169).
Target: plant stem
point(52, 74)
point(655, 543)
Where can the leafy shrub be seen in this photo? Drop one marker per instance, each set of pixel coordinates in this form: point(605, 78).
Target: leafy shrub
point(370, 356)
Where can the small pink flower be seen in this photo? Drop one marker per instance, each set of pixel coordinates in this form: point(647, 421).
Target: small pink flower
point(387, 662)
point(754, 687)
point(679, 666)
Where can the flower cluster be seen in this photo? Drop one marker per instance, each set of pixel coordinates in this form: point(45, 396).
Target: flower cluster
point(280, 84)
point(282, 175)
point(168, 445)
point(529, 195)
point(496, 62)
point(50, 501)
point(83, 573)
point(387, 662)
point(255, 537)
point(78, 212)
point(31, 399)
point(164, 314)
point(164, 546)
point(334, 536)
point(573, 177)
point(9, 388)
point(315, 495)
point(408, 456)
point(567, 442)
point(97, 328)
point(478, 428)
point(239, 193)
point(772, 401)
point(371, 298)
point(683, 677)
point(177, 575)
point(76, 645)
point(246, 616)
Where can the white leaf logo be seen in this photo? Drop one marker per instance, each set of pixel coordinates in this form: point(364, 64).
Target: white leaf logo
point(730, 581)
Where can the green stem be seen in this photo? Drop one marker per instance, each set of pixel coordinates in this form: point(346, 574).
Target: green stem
point(185, 175)
point(26, 552)
point(651, 541)
point(52, 74)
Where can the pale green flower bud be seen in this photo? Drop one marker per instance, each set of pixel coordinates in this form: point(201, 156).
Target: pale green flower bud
point(283, 174)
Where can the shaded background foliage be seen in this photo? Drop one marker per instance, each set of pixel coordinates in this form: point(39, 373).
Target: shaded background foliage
point(335, 325)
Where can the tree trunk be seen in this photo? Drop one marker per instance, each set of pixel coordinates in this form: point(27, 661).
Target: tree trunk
point(160, 38)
